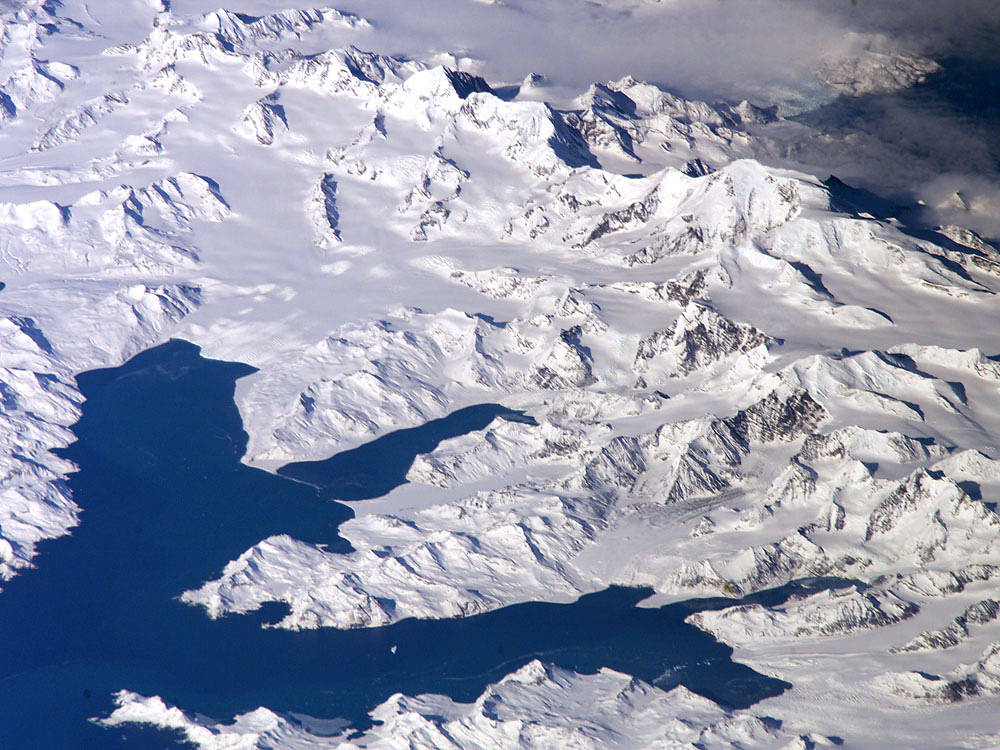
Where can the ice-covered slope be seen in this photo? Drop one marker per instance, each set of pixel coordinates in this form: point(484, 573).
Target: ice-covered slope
point(115, 271)
point(737, 378)
point(535, 707)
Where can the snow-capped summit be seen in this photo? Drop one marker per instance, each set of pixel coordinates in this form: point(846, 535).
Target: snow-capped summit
point(733, 377)
point(538, 706)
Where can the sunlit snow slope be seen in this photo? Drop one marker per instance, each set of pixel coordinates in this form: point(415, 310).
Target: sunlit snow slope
point(741, 374)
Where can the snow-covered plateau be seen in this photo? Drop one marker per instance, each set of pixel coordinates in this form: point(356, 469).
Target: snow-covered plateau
point(739, 374)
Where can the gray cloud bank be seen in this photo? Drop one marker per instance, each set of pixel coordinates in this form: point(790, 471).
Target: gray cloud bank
point(942, 137)
point(933, 141)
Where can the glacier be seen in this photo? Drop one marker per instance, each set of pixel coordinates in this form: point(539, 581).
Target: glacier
point(739, 373)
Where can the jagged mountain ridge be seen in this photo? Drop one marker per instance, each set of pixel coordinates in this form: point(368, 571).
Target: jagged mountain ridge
point(607, 709)
point(723, 363)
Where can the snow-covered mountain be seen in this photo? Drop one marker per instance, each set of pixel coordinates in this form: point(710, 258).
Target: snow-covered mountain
point(535, 707)
point(739, 374)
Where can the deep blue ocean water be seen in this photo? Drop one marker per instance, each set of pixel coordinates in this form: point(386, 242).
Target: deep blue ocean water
point(166, 503)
